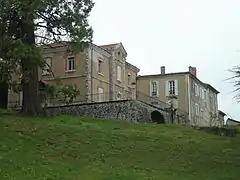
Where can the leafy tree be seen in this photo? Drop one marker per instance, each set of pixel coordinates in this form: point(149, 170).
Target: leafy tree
point(60, 93)
point(27, 24)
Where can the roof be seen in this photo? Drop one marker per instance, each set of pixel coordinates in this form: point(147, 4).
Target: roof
point(114, 44)
point(221, 113)
point(66, 43)
point(212, 88)
point(229, 119)
point(167, 74)
point(182, 73)
point(132, 66)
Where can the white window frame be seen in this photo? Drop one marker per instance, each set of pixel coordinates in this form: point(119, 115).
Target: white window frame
point(119, 73)
point(100, 94)
point(73, 65)
point(172, 88)
point(196, 90)
point(197, 110)
point(154, 88)
point(203, 94)
point(100, 66)
point(47, 66)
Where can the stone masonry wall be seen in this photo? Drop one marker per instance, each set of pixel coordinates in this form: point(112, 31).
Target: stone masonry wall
point(128, 110)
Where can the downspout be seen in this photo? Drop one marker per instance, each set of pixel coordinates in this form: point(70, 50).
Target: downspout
point(189, 101)
point(91, 74)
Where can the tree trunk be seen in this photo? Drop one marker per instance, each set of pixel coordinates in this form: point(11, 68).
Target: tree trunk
point(31, 100)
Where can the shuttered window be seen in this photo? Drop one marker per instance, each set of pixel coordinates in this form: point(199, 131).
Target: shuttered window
point(171, 88)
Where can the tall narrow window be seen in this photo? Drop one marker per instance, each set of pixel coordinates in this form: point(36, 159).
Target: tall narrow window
point(47, 66)
point(119, 96)
point(71, 64)
point(119, 73)
point(129, 79)
point(203, 94)
point(197, 109)
point(154, 88)
point(196, 90)
point(100, 66)
point(172, 87)
point(100, 95)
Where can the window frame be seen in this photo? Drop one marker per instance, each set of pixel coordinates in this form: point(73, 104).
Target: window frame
point(100, 94)
point(172, 87)
point(71, 59)
point(47, 66)
point(119, 96)
point(100, 66)
point(196, 90)
point(119, 73)
point(154, 85)
point(197, 111)
point(129, 79)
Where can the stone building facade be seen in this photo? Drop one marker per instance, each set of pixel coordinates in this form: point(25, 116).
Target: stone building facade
point(185, 92)
point(101, 73)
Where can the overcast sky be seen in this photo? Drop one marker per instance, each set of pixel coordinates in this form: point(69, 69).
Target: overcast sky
point(176, 34)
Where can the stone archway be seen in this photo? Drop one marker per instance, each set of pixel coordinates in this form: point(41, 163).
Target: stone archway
point(157, 117)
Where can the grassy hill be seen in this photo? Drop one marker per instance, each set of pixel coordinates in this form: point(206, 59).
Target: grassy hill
point(71, 148)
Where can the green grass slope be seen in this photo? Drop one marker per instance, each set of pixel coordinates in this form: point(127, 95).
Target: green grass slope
point(71, 148)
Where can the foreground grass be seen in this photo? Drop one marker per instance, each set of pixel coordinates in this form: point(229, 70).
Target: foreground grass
point(70, 148)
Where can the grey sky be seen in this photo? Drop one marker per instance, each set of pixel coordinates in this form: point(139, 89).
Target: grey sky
point(174, 33)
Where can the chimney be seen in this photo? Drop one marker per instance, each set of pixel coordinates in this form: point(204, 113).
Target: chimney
point(163, 69)
point(193, 70)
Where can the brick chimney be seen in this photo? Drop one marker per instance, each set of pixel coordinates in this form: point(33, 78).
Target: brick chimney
point(193, 70)
point(163, 70)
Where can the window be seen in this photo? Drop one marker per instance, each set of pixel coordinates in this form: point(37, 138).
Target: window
point(119, 96)
point(119, 73)
point(205, 94)
point(202, 94)
point(201, 113)
point(129, 79)
point(71, 64)
point(196, 90)
point(100, 66)
point(47, 66)
point(154, 88)
point(172, 87)
point(100, 95)
point(197, 109)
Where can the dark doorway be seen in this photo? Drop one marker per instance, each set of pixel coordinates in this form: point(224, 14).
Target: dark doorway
point(3, 95)
point(157, 117)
